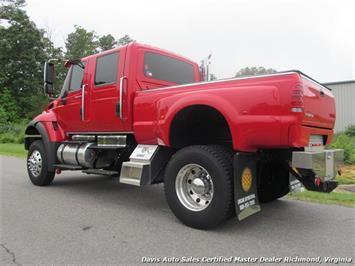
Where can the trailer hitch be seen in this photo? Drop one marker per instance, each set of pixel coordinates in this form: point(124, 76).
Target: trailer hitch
point(311, 181)
point(317, 169)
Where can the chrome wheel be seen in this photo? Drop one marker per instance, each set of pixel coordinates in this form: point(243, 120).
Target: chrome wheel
point(194, 187)
point(34, 163)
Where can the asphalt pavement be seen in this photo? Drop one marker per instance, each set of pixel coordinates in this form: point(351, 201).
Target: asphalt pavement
point(88, 219)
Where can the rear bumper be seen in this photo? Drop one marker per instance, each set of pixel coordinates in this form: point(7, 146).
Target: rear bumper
point(299, 135)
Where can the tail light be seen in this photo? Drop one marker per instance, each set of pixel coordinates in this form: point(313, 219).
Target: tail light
point(297, 99)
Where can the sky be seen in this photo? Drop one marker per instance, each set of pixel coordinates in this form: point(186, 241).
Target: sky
point(314, 36)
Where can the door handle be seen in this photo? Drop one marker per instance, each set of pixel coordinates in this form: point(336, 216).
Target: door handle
point(77, 97)
point(121, 94)
point(83, 102)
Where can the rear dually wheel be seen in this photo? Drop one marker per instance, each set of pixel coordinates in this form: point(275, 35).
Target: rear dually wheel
point(199, 185)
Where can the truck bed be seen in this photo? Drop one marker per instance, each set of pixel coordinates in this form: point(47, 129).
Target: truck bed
point(280, 110)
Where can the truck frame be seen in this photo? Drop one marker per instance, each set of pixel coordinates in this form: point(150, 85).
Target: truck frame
point(221, 147)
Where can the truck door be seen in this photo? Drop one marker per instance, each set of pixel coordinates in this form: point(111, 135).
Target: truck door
point(106, 104)
point(70, 113)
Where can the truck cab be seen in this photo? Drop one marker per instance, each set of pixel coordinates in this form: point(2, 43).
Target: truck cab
point(99, 97)
point(144, 115)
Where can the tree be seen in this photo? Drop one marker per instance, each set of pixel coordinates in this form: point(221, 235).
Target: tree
point(8, 107)
point(107, 42)
point(80, 43)
point(23, 50)
point(21, 59)
point(252, 71)
point(213, 76)
point(124, 40)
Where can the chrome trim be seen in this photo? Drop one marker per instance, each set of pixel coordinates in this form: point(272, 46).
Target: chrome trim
point(99, 133)
point(34, 163)
point(143, 153)
point(83, 102)
point(78, 137)
point(133, 172)
point(146, 164)
point(116, 140)
point(324, 163)
point(121, 94)
point(33, 136)
point(60, 153)
point(86, 156)
point(219, 80)
point(69, 153)
point(194, 187)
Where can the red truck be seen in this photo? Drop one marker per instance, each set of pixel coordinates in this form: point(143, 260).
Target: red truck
point(221, 147)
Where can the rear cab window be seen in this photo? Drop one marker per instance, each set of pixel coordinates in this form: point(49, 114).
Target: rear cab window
point(158, 68)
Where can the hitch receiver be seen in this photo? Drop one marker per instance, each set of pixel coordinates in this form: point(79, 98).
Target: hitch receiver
point(317, 170)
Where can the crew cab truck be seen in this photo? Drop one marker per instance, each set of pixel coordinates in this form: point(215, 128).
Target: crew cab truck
point(146, 115)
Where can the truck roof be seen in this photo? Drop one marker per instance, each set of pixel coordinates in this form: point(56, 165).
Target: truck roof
point(147, 46)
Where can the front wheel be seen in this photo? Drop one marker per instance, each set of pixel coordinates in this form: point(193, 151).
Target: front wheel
point(37, 165)
point(199, 185)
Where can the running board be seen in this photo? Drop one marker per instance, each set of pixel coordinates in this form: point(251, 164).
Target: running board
point(145, 165)
point(68, 167)
point(100, 172)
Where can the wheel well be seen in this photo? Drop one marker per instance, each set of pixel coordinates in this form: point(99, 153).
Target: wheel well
point(199, 124)
point(31, 134)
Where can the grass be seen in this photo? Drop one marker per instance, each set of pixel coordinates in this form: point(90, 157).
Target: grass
point(337, 198)
point(348, 176)
point(13, 149)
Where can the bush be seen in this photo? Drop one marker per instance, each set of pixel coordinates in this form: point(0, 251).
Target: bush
point(8, 108)
point(12, 133)
point(350, 131)
point(347, 143)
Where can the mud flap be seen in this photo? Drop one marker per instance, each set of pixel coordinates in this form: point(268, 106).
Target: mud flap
point(295, 184)
point(245, 185)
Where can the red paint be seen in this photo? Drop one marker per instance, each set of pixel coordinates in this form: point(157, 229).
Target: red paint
point(257, 109)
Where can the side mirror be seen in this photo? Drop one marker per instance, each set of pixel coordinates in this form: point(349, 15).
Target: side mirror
point(49, 78)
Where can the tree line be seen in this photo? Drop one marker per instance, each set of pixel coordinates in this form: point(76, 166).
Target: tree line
point(24, 48)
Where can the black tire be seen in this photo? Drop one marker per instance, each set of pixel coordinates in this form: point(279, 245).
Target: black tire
point(45, 177)
point(273, 182)
point(217, 160)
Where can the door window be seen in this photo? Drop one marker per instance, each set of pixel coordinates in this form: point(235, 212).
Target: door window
point(74, 79)
point(77, 76)
point(106, 69)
